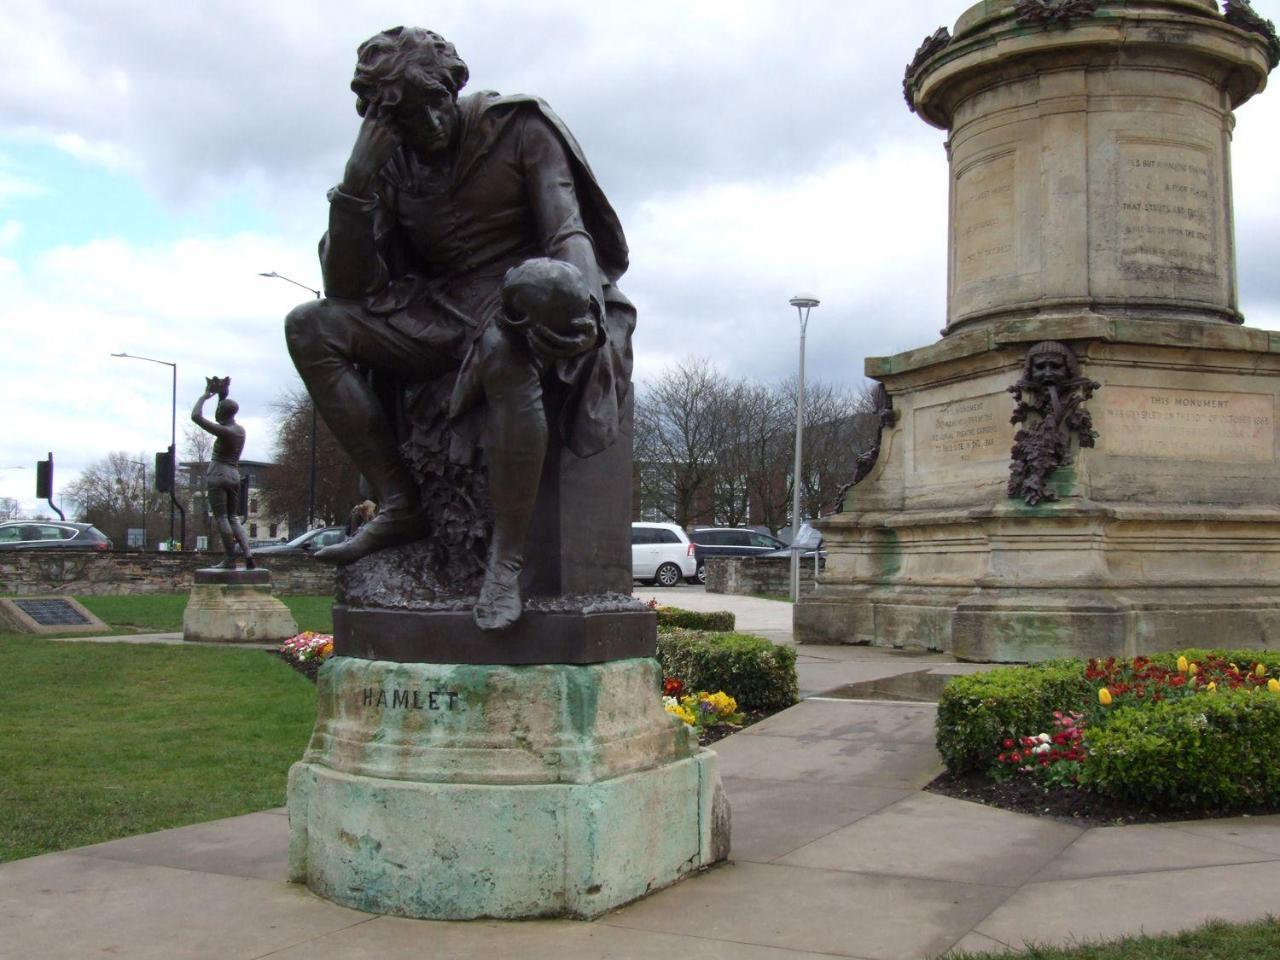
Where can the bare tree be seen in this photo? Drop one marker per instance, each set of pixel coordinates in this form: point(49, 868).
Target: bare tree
point(680, 430)
point(113, 495)
point(9, 508)
point(287, 486)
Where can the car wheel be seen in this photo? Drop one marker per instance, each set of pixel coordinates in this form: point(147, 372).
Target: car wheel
point(701, 575)
point(668, 575)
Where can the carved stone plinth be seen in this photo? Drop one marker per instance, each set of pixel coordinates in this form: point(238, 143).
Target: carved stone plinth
point(1135, 506)
point(235, 606)
point(449, 791)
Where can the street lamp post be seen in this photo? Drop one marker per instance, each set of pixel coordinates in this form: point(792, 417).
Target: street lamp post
point(311, 494)
point(173, 444)
point(803, 304)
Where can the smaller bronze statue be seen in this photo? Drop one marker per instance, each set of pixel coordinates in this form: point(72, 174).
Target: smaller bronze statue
point(1048, 400)
point(223, 481)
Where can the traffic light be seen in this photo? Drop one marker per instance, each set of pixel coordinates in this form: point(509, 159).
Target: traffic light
point(164, 471)
point(44, 478)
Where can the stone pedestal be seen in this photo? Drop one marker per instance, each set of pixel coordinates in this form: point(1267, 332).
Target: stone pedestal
point(456, 791)
point(1091, 206)
point(235, 606)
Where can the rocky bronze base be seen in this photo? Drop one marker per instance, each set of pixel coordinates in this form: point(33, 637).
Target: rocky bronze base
point(458, 791)
point(235, 606)
point(579, 636)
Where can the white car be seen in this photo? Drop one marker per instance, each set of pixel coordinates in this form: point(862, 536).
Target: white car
point(661, 554)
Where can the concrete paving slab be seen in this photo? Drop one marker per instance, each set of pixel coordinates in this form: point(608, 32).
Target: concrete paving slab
point(977, 943)
point(824, 911)
point(752, 614)
point(65, 906)
point(1067, 911)
point(1256, 833)
point(851, 720)
point(816, 677)
point(250, 846)
point(902, 766)
point(771, 818)
point(391, 938)
point(1103, 851)
point(939, 838)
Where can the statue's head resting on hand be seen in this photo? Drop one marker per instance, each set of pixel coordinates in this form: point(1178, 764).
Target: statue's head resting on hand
point(410, 77)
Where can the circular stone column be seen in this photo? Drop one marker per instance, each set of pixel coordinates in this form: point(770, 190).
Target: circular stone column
point(1089, 150)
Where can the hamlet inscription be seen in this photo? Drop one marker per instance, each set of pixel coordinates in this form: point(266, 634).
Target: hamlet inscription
point(1167, 211)
point(1187, 424)
point(984, 239)
point(973, 430)
point(401, 699)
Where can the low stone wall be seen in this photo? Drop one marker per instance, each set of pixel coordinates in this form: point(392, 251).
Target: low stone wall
point(752, 575)
point(91, 574)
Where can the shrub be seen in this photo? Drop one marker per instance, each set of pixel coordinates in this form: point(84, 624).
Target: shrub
point(674, 617)
point(759, 674)
point(977, 713)
point(1208, 751)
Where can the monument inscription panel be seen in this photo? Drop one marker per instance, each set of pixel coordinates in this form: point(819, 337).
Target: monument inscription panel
point(1167, 211)
point(984, 239)
point(1187, 424)
point(973, 430)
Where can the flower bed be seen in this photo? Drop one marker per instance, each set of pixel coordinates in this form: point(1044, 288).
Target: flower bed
point(1190, 732)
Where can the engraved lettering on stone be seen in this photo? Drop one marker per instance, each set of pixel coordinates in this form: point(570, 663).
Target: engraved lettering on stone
point(1167, 212)
point(964, 431)
point(402, 699)
point(1188, 425)
point(984, 240)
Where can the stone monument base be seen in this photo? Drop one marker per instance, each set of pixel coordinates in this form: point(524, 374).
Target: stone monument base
point(459, 791)
point(1163, 535)
point(235, 606)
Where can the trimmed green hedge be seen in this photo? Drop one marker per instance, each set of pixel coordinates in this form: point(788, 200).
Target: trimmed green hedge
point(758, 674)
point(1212, 751)
point(719, 620)
point(978, 712)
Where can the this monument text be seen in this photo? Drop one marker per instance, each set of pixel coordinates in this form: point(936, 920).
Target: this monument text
point(1187, 424)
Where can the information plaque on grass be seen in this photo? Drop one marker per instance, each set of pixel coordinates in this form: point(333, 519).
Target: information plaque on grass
point(48, 615)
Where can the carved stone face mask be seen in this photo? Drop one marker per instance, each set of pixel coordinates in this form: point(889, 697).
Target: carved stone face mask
point(1048, 368)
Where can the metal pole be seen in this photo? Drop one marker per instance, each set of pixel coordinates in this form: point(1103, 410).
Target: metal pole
point(173, 452)
point(311, 495)
point(803, 305)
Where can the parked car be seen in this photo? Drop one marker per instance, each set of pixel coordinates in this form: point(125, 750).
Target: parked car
point(809, 541)
point(51, 535)
point(661, 554)
point(729, 542)
point(305, 544)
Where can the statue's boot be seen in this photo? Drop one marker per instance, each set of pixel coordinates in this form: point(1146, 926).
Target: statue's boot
point(499, 605)
point(394, 526)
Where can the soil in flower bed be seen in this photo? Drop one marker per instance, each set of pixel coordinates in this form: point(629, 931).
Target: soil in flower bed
point(311, 668)
point(1082, 807)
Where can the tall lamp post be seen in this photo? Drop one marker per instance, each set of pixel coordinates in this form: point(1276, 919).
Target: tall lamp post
point(173, 444)
point(803, 303)
point(311, 495)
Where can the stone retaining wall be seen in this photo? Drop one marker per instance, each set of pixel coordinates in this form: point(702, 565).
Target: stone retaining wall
point(744, 576)
point(83, 573)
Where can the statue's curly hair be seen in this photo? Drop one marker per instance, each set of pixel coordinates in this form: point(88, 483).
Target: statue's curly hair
point(385, 61)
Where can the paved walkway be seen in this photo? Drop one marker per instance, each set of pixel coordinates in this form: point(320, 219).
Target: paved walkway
point(836, 853)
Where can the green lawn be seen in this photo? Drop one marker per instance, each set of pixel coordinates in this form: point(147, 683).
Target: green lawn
point(1214, 941)
point(105, 740)
point(162, 612)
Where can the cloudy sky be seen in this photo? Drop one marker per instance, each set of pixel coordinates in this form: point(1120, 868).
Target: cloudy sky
point(154, 158)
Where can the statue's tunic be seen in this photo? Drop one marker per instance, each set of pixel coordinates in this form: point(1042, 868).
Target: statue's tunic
point(428, 252)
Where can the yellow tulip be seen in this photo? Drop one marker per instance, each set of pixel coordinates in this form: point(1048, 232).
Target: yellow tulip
point(1260, 670)
point(1104, 697)
point(1234, 668)
point(1273, 685)
point(1193, 670)
point(1212, 687)
point(1182, 664)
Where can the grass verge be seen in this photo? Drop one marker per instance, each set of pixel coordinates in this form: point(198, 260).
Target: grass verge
point(162, 612)
point(1214, 941)
point(106, 740)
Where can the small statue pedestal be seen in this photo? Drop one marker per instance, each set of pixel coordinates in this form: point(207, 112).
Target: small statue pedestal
point(453, 791)
point(235, 606)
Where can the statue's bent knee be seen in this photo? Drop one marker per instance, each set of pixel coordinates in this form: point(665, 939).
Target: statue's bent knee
point(306, 328)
